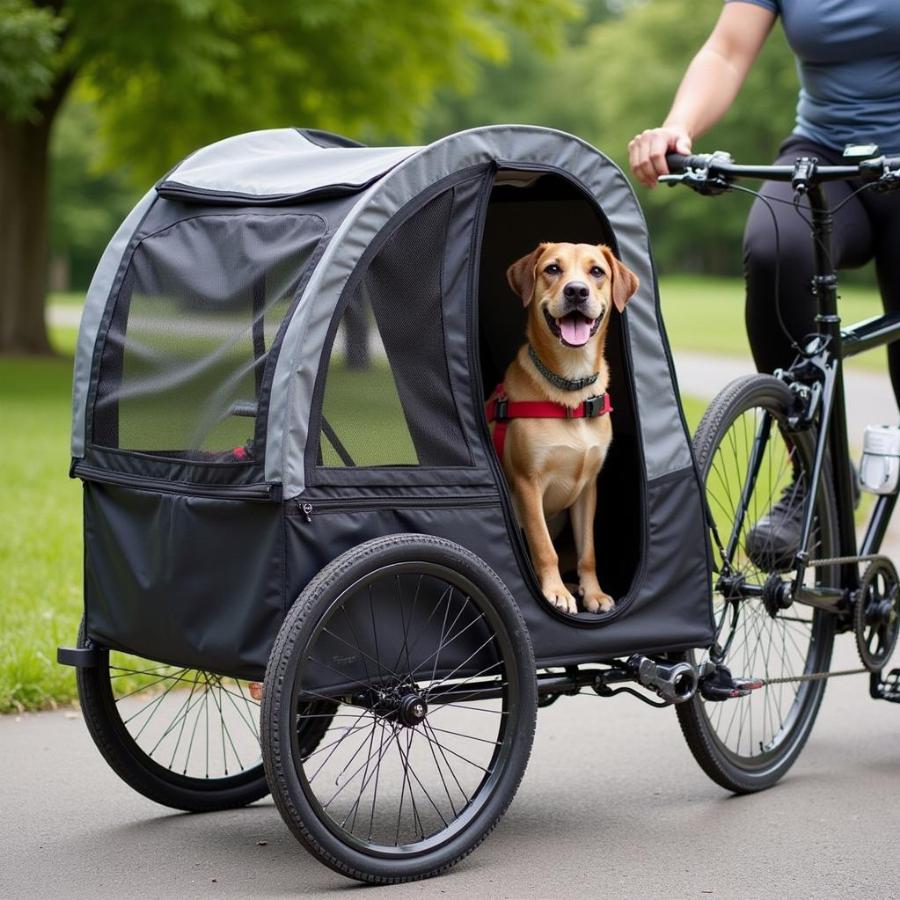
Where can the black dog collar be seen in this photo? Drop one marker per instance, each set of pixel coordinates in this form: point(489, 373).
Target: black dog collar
point(564, 384)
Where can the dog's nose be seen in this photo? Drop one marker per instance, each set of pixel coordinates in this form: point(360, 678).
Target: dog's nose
point(576, 292)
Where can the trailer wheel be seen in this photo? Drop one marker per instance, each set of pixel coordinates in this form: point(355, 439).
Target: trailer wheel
point(185, 738)
point(428, 658)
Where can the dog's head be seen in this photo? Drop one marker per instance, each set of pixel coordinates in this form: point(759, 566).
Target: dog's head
point(570, 289)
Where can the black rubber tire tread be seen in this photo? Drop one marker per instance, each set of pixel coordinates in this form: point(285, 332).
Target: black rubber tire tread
point(136, 769)
point(346, 568)
point(740, 395)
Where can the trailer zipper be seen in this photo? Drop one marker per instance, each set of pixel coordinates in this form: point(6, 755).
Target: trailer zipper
point(340, 504)
point(223, 492)
point(171, 190)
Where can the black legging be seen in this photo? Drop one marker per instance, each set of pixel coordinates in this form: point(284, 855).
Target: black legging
point(867, 227)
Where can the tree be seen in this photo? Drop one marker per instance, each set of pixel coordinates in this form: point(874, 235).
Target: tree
point(642, 56)
point(172, 75)
point(30, 93)
point(88, 199)
point(526, 87)
point(615, 76)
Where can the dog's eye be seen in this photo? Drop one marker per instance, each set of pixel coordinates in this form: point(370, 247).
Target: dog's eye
point(597, 272)
point(553, 269)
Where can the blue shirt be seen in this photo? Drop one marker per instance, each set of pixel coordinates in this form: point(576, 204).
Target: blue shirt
point(848, 59)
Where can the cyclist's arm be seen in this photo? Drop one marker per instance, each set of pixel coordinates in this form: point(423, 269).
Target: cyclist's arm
point(709, 86)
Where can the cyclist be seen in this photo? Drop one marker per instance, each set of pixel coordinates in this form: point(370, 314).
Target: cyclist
point(849, 65)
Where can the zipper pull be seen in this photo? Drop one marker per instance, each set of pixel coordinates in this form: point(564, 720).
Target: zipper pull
point(306, 509)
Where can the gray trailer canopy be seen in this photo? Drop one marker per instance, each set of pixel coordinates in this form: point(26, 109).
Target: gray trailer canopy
point(272, 169)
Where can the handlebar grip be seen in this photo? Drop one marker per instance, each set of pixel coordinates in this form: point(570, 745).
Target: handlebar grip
point(873, 170)
point(677, 162)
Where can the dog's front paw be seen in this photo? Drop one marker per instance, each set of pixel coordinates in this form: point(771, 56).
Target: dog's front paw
point(558, 595)
point(596, 601)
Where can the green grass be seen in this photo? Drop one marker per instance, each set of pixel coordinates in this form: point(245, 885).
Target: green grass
point(40, 523)
point(706, 315)
point(67, 298)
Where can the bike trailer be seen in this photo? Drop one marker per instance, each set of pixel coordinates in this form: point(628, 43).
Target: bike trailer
point(285, 352)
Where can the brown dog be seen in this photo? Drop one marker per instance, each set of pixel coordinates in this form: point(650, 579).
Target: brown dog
point(552, 464)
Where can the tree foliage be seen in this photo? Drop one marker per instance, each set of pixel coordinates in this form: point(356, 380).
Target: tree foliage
point(88, 198)
point(173, 75)
point(642, 56)
point(28, 43)
point(617, 75)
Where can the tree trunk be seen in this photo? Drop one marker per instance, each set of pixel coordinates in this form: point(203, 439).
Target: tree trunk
point(24, 175)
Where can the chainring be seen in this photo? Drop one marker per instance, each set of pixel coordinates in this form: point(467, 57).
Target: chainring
point(876, 614)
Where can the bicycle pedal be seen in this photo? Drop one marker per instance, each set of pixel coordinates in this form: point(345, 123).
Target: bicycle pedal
point(720, 685)
point(887, 688)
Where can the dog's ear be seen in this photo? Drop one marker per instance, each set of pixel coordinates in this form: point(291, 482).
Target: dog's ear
point(624, 281)
point(520, 275)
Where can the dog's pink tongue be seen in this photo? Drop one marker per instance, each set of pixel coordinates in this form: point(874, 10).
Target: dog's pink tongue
point(575, 329)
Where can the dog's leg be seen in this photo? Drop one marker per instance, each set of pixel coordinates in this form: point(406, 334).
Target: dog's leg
point(543, 554)
point(583, 511)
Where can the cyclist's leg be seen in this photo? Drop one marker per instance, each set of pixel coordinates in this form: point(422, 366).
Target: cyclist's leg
point(884, 213)
point(852, 245)
point(776, 536)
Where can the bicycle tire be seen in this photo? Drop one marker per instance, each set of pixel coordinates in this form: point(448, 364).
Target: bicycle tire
point(806, 635)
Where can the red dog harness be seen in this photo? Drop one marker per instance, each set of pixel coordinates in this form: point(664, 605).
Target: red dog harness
point(501, 410)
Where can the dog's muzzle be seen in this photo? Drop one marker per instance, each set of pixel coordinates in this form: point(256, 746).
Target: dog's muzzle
point(574, 328)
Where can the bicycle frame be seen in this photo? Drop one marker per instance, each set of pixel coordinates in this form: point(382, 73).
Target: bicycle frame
point(822, 366)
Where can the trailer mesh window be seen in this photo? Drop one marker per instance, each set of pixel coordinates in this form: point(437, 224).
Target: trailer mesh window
point(198, 310)
point(387, 398)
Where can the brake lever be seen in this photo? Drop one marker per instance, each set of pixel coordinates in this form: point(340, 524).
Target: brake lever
point(878, 175)
point(699, 181)
point(889, 181)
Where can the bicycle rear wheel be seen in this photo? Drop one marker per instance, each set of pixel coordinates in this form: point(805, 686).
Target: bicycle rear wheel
point(747, 744)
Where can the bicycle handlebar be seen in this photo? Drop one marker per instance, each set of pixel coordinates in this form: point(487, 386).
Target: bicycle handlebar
point(720, 164)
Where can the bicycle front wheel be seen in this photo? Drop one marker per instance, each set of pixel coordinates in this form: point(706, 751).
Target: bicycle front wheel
point(756, 473)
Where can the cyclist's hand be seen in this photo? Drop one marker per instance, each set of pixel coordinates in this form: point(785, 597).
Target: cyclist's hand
point(647, 152)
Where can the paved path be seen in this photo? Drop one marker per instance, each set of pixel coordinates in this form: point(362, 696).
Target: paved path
point(612, 805)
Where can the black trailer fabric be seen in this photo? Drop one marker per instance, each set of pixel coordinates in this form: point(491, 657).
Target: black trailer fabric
point(291, 357)
point(191, 581)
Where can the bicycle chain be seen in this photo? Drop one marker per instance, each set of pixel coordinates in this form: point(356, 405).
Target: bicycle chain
point(815, 676)
point(846, 560)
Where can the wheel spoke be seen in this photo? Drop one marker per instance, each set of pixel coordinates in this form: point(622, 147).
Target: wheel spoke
point(393, 777)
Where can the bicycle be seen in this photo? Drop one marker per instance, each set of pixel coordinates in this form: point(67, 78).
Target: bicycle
point(782, 438)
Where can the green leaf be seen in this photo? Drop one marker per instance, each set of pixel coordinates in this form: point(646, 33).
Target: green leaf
point(29, 38)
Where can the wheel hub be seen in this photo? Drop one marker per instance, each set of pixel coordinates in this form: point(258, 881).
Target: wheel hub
point(412, 710)
point(777, 595)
